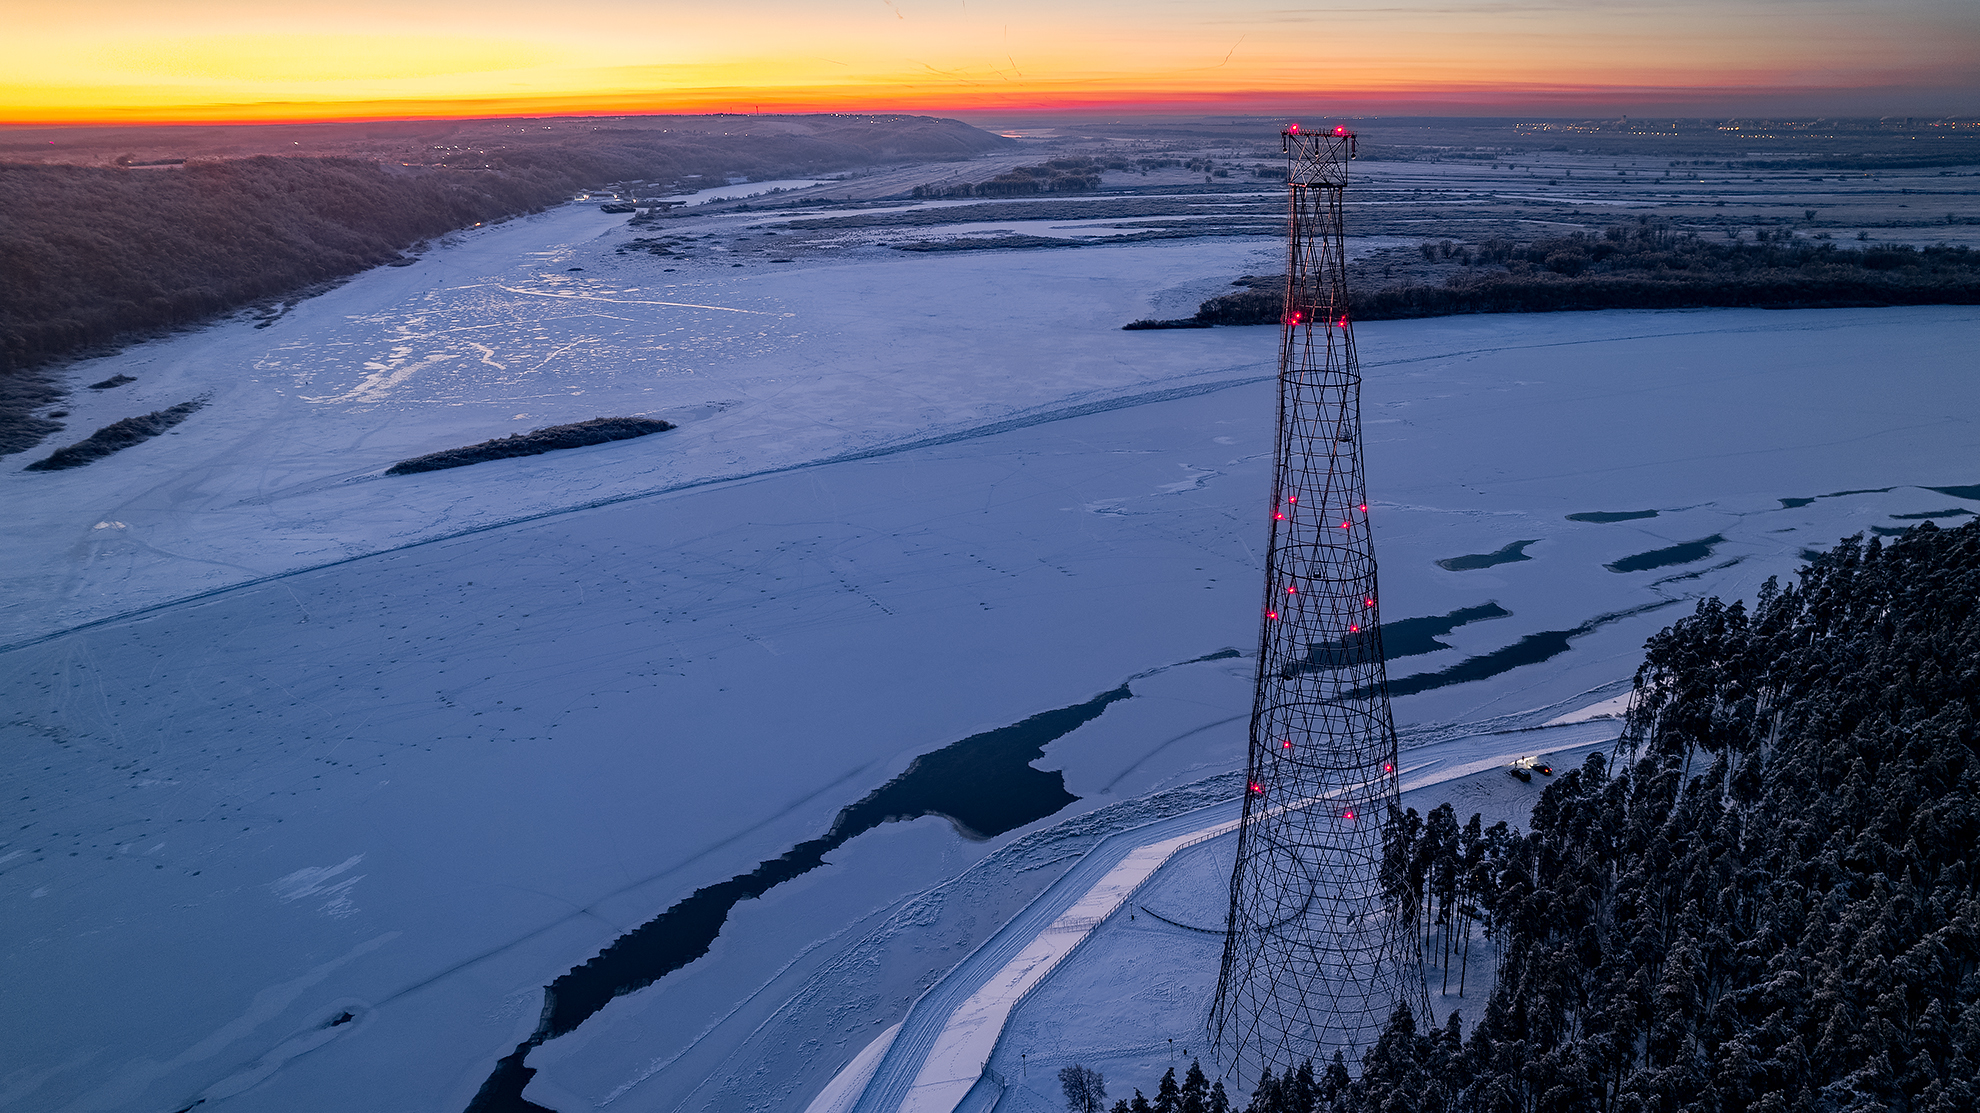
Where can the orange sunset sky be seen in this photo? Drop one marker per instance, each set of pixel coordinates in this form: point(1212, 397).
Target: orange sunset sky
point(118, 61)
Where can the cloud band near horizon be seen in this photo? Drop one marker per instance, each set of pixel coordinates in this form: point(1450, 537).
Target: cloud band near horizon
point(116, 61)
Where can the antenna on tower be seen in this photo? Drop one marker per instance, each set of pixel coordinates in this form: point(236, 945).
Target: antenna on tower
point(1316, 953)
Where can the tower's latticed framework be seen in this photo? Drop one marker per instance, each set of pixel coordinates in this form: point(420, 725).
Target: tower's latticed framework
point(1315, 958)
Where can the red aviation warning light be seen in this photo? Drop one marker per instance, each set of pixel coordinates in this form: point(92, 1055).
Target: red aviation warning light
point(1292, 129)
point(1340, 131)
point(1257, 789)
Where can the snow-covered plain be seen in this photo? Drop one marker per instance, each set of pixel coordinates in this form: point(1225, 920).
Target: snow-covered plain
point(911, 498)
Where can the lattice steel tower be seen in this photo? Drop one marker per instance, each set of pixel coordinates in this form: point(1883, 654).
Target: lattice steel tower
point(1314, 957)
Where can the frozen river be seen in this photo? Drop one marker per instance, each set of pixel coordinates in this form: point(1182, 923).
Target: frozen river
point(261, 855)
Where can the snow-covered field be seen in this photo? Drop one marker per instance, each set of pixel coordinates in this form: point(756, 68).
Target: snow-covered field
point(911, 498)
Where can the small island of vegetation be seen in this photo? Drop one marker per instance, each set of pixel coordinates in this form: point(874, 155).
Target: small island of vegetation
point(599, 430)
point(116, 436)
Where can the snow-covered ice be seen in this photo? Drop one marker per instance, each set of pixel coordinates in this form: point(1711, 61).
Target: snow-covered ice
point(262, 854)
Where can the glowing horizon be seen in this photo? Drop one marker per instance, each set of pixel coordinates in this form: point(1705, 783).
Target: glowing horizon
point(228, 61)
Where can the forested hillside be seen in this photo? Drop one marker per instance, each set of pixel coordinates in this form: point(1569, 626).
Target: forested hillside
point(1767, 901)
point(91, 254)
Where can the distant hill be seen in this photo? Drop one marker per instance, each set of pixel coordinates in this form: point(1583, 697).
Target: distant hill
point(607, 148)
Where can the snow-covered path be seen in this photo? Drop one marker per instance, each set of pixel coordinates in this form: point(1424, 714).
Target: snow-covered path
point(953, 1062)
point(948, 1046)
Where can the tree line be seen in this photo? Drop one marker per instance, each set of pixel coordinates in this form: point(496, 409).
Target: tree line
point(1086, 1092)
point(1071, 174)
point(1649, 266)
point(1453, 879)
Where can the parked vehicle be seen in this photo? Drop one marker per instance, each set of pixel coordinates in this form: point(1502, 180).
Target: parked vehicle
point(1525, 767)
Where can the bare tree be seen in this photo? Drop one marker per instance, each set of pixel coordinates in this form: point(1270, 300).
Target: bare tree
point(1085, 1089)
